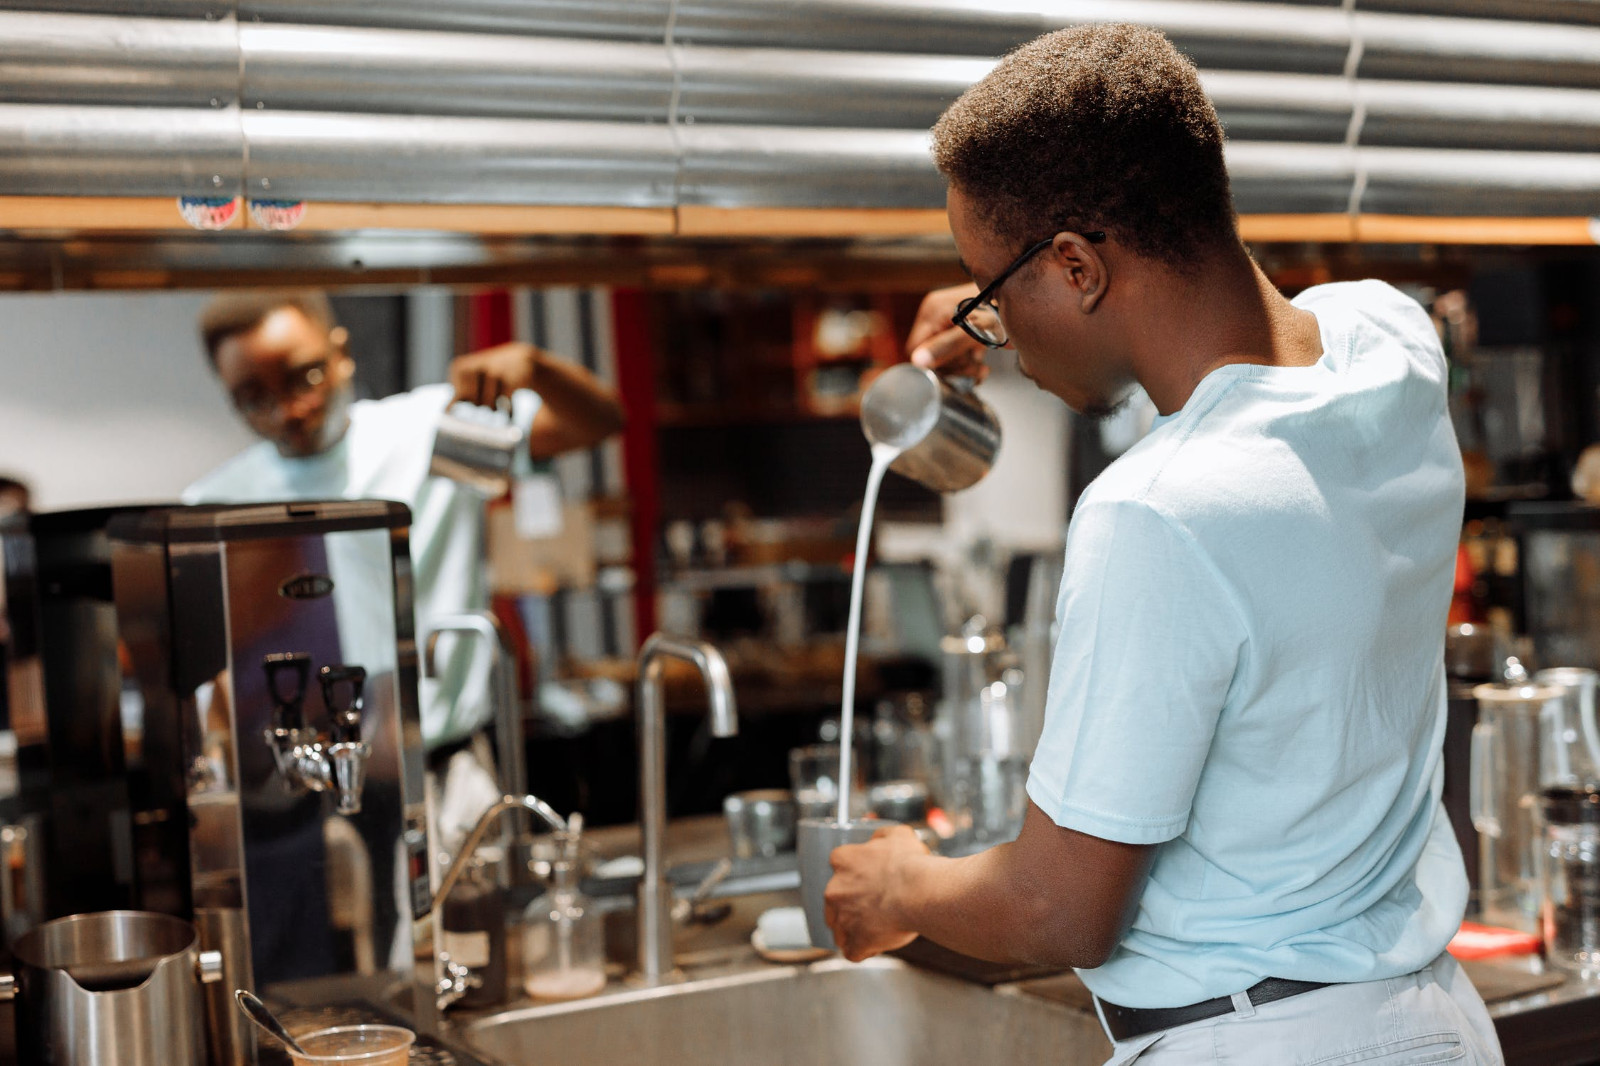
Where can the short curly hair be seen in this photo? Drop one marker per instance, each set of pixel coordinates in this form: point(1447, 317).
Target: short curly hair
point(233, 313)
point(1101, 127)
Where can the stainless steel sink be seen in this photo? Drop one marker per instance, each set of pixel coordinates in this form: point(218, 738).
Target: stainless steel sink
point(879, 1013)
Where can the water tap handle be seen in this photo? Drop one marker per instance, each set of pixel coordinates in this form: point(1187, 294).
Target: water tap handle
point(343, 697)
point(288, 673)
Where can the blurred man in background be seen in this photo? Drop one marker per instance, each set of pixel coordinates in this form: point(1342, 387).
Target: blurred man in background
point(284, 362)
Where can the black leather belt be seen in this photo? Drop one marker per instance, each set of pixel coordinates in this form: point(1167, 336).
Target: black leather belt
point(1125, 1023)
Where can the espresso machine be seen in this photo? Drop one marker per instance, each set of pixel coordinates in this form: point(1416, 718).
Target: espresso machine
point(232, 738)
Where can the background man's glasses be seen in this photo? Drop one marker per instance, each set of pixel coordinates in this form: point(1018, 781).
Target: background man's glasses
point(980, 318)
point(255, 400)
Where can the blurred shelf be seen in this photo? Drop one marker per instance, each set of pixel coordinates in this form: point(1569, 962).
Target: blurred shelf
point(735, 577)
point(706, 415)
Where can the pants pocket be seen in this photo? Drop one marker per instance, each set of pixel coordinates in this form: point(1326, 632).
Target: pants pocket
point(1409, 1051)
point(1130, 1050)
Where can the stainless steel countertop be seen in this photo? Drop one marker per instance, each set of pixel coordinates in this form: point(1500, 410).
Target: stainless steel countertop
point(1544, 1027)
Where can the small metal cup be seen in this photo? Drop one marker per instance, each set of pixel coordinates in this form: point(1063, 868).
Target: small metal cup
point(948, 438)
point(476, 446)
point(818, 837)
point(760, 823)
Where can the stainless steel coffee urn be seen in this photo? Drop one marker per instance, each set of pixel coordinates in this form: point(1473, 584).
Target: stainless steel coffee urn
point(233, 740)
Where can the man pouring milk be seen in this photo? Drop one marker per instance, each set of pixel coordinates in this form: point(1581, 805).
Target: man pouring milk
point(1234, 830)
point(284, 362)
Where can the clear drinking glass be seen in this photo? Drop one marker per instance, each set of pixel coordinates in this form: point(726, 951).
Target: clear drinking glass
point(1571, 918)
point(358, 1045)
point(814, 776)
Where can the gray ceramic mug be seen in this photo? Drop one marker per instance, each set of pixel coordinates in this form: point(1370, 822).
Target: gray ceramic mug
point(817, 839)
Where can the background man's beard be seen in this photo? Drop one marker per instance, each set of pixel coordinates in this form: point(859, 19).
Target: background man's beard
point(335, 421)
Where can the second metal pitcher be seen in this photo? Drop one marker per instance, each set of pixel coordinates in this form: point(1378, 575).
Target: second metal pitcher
point(947, 437)
point(112, 988)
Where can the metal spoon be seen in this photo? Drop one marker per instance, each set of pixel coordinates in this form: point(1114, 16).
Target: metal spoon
point(257, 1012)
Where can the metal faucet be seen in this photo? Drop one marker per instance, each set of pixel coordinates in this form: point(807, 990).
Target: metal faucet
point(655, 894)
point(453, 978)
point(304, 759)
point(508, 741)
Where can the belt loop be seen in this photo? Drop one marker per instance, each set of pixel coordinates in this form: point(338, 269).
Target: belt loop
point(1242, 1005)
point(1100, 1013)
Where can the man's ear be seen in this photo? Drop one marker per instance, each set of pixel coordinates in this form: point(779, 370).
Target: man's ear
point(1084, 269)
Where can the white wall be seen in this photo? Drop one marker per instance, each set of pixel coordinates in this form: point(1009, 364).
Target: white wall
point(107, 397)
point(1022, 504)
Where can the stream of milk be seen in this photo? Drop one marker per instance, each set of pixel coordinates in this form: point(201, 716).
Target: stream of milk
point(882, 456)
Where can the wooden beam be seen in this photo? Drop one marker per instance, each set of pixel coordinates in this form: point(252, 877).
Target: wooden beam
point(1321, 228)
point(97, 213)
point(90, 214)
point(843, 222)
point(1415, 229)
point(490, 219)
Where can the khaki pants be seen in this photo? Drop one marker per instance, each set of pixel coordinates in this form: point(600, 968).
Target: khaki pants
point(1431, 1016)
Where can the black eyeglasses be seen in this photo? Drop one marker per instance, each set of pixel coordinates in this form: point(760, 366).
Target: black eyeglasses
point(987, 329)
point(254, 399)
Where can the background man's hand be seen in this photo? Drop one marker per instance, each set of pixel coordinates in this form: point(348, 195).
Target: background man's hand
point(858, 905)
point(941, 347)
point(484, 377)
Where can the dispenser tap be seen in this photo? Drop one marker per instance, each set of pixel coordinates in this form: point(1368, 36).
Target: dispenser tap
point(348, 754)
point(303, 759)
point(288, 673)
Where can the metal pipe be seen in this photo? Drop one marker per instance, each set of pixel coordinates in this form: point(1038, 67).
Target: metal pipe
point(508, 738)
point(301, 155)
point(119, 151)
point(92, 59)
point(639, 20)
point(474, 838)
point(655, 893)
point(356, 69)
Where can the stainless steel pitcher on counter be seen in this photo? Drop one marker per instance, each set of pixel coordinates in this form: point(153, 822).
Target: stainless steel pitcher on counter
point(113, 988)
point(947, 437)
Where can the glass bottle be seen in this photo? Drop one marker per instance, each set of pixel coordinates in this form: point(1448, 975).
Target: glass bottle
point(563, 936)
point(474, 929)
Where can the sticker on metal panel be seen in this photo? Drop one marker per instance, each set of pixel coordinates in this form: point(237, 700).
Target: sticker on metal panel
point(209, 212)
point(277, 214)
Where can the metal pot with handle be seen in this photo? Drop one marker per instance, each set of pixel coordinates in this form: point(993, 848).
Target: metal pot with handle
point(111, 988)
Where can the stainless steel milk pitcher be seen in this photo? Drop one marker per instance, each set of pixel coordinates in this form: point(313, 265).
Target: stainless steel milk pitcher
point(946, 435)
point(476, 446)
point(111, 988)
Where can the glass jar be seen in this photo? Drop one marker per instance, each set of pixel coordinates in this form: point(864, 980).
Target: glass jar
point(1571, 905)
point(473, 931)
point(563, 936)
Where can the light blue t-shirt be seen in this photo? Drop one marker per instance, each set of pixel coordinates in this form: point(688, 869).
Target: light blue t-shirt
point(384, 455)
point(1250, 671)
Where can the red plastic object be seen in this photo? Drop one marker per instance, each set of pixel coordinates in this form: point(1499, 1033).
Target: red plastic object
point(1474, 941)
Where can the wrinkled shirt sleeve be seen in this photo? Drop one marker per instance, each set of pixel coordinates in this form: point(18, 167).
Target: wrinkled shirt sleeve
point(1150, 642)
